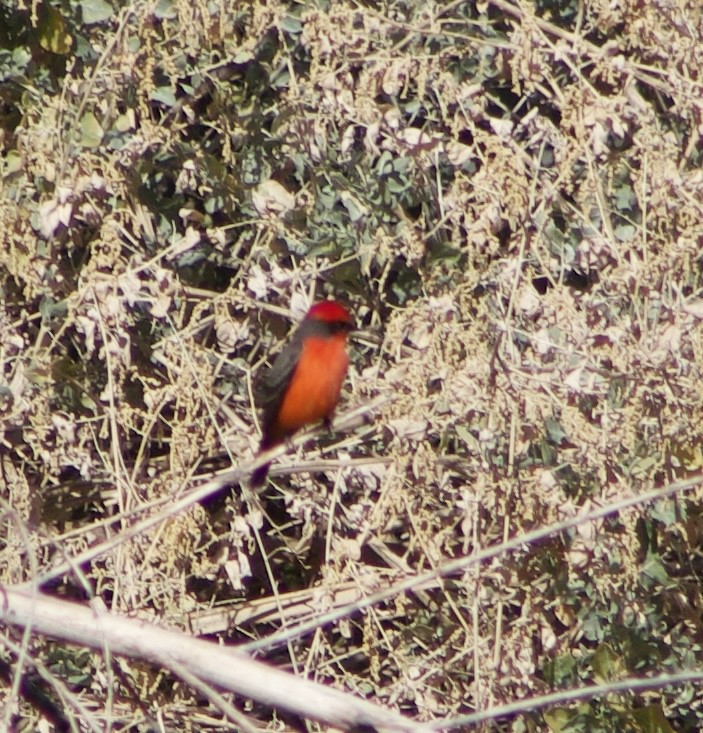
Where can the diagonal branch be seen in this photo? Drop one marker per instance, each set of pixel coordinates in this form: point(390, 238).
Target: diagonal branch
point(222, 666)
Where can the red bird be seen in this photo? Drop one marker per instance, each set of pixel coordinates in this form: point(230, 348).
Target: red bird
point(304, 383)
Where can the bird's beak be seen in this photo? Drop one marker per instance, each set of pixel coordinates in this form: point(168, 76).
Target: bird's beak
point(370, 338)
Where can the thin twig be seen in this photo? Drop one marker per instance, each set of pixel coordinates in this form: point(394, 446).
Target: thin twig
point(462, 563)
point(629, 684)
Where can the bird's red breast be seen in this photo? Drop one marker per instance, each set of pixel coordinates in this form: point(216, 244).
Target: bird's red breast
point(313, 391)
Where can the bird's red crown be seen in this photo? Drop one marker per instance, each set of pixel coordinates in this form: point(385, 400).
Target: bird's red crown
point(329, 311)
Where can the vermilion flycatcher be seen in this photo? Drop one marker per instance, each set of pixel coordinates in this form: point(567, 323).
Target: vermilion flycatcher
point(304, 383)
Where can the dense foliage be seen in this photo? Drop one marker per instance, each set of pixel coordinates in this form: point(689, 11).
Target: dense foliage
point(508, 194)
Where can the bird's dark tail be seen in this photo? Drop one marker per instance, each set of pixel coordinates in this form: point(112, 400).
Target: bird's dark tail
point(258, 478)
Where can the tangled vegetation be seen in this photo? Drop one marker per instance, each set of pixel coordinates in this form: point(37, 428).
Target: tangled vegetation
point(509, 196)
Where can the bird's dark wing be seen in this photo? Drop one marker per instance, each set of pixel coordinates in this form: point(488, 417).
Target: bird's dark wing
point(272, 382)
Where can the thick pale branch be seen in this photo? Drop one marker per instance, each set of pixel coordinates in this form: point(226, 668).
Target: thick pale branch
point(210, 662)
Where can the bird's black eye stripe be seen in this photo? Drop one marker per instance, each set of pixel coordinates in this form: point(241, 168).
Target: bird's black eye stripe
point(341, 326)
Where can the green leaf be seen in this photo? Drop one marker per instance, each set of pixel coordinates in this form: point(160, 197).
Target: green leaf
point(164, 95)
point(652, 720)
point(625, 233)
point(21, 56)
point(561, 671)
point(607, 665)
point(91, 131)
point(96, 11)
point(665, 511)
point(653, 568)
point(291, 24)
point(13, 162)
point(164, 10)
point(555, 432)
point(557, 718)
